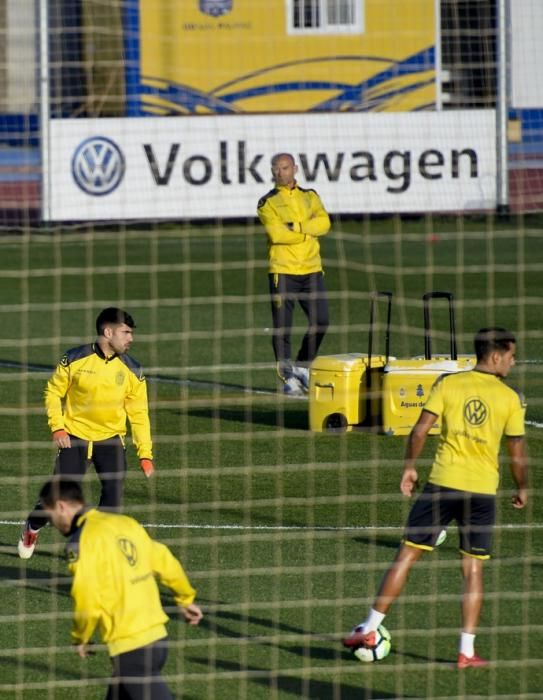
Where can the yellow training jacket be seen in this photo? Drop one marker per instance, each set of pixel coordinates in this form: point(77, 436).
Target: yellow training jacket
point(91, 396)
point(293, 219)
point(114, 563)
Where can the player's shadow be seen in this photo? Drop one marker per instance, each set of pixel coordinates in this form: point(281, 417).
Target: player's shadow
point(217, 621)
point(44, 668)
point(385, 541)
point(318, 653)
point(293, 417)
point(426, 659)
point(323, 648)
point(37, 579)
point(315, 651)
point(206, 384)
point(238, 515)
point(298, 687)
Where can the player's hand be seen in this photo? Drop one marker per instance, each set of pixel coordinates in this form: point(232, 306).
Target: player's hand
point(192, 613)
point(409, 481)
point(147, 467)
point(520, 499)
point(62, 439)
point(84, 650)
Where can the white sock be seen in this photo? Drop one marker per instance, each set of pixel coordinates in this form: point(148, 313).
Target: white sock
point(373, 621)
point(467, 644)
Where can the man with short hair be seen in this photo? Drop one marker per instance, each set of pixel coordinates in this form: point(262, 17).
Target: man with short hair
point(476, 409)
point(91, 394)
point(294, 219)
point(114, 563)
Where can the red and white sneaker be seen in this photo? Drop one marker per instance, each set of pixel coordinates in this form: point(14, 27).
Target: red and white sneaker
point(359, 638)
point(470, 661)
point(27, 542)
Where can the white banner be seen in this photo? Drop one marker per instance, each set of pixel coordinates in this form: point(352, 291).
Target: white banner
point(526, 54)
point(206, 167)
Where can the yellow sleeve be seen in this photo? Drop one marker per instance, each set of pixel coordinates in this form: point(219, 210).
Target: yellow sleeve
point(515, 423)
point(319, 223)
point(171, 573)
point(55, 391)
point(278, 231)
point(137, 410)
point(86, 596)
point(434, 404)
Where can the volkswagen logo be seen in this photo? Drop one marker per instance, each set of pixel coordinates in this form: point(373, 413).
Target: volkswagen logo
point(215, 8)
point(475, 412)
point(98, 166)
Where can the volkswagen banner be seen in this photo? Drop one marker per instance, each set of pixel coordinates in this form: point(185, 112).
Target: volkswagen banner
point(206, 167)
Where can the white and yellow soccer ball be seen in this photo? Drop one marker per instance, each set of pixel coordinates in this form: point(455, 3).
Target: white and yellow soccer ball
point(380, 651)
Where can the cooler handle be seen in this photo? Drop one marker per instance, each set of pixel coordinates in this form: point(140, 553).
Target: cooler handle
point(373, 298)
point(427, 323)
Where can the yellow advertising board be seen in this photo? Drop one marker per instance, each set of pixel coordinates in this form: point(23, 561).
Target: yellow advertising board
point(254, 56)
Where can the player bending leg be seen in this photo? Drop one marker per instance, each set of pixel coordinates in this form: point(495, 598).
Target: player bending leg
point(476, 409)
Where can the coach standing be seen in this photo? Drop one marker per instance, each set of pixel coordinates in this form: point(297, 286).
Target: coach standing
point(88, 399)
point(476, 409)
point(294, 219)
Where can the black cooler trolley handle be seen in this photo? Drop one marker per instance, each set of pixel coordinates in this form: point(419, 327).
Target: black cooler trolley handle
point(426, 298)
point(374, 297)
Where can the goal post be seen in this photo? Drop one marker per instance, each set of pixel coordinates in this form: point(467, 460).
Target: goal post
point(150, 131)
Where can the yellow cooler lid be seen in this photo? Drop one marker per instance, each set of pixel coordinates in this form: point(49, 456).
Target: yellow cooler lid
point(436, 364)
point(347, 362)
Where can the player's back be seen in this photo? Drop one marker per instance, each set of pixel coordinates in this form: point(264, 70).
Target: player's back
point(118, 550)
point(477, 409)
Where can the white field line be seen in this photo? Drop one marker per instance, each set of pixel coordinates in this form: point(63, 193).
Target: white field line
point(303, 528)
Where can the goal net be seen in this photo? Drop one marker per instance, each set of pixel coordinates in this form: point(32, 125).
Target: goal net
point(135, 142)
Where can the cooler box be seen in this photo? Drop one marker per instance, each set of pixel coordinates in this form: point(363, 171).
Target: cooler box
point(338, 390)
point(406, 385)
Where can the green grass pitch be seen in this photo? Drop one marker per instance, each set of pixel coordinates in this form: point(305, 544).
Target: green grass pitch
point(284, 533)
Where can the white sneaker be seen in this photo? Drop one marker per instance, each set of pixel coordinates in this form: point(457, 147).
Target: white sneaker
point(27, 542)
point(302, 375)
point(293, 387)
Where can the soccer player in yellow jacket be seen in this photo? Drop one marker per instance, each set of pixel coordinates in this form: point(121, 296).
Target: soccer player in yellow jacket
point(476, 409)
point(294, 219)
point(88, 399)
point(114, 564)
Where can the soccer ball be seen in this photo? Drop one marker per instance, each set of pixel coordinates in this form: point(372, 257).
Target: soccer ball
point(381, 651)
